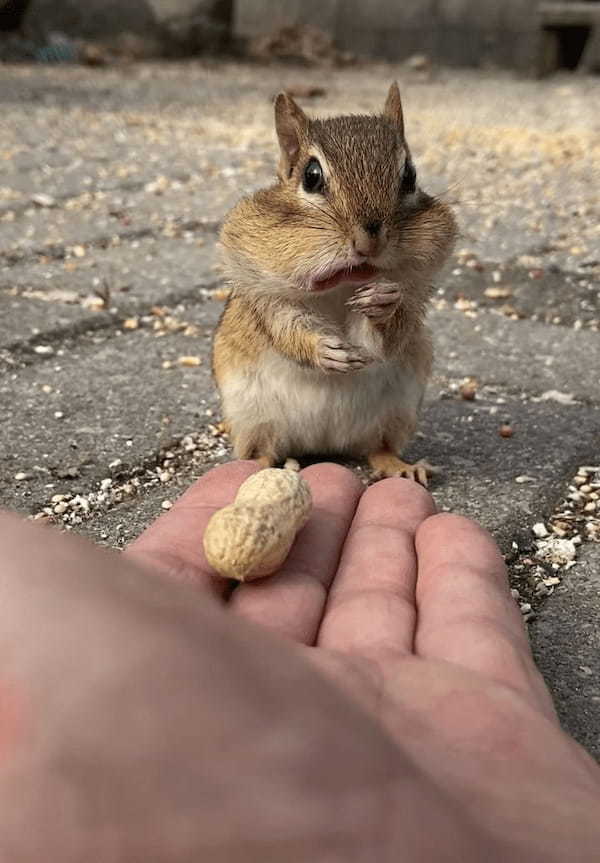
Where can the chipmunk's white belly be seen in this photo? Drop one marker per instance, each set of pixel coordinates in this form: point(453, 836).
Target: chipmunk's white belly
point(315, 412)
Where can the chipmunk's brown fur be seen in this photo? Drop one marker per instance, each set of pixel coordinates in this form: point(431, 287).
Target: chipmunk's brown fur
point(322, 347)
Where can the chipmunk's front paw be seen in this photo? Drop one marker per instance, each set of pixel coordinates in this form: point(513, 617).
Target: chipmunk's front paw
point(334, 355)
point(377, 301)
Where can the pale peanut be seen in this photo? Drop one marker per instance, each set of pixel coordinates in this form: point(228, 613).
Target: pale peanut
point(252, 537)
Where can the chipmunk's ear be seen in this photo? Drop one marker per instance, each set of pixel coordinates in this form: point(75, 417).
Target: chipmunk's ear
point(291, 123)
point(393, 108)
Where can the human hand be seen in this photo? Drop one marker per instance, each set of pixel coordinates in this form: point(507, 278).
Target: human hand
point(410, 613)
point(151, 721)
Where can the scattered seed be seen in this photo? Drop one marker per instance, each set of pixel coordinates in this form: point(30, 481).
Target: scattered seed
point(43, 200)
point(498, 293)
point(556, 551)
point(189, 361)
point(468, 389)
point(221, 294)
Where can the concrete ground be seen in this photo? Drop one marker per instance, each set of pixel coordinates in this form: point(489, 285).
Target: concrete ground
point(113, 183)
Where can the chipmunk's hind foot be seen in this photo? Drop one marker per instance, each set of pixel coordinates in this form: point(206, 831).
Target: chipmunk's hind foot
point(266, 461)
point(386, 464)
point(259, 444)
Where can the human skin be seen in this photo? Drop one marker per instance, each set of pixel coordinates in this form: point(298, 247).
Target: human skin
point(374, 701)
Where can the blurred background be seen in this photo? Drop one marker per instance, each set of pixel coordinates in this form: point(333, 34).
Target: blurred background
point(534, 37)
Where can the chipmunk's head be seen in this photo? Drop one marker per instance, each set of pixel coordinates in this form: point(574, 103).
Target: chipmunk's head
point(347, 207)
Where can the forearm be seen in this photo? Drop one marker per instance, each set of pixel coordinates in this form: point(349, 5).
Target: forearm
point(294, 331)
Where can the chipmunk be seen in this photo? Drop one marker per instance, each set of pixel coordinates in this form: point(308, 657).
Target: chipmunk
point(322, 347)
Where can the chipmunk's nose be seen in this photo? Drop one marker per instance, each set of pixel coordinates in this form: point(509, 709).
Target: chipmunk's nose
point(373, 227)
point(368, 238)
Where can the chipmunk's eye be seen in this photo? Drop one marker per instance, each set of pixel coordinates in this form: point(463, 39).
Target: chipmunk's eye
point(313, 180)
point(409, 177)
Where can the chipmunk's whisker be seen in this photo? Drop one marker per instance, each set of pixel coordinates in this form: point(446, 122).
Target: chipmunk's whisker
point(330, 216)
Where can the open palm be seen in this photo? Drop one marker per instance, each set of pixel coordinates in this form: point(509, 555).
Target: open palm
point(409, 613)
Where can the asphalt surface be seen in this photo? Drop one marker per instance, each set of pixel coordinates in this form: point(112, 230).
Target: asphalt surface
point(113, 183)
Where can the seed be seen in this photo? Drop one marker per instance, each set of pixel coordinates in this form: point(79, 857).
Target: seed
point(43, 200)
point(498, 293)
point(468, 389)
point(189, 361)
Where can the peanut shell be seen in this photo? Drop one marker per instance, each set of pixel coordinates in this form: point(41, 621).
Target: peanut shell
point(252, 537)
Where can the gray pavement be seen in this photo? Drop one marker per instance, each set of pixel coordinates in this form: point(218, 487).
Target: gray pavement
point(112, 185)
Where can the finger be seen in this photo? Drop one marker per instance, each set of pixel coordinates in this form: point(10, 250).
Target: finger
point(377, 290)
point(292, 602)
point(466, 612)
point(173, 543)
point(370, 608)
point(366, 299)
point(340, 367)
point(376, 311)
point(351, 365)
